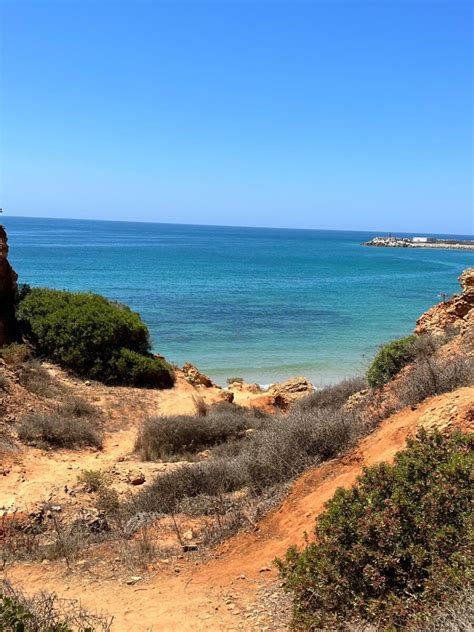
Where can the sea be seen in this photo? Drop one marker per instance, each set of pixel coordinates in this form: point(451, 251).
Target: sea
point(264, 304)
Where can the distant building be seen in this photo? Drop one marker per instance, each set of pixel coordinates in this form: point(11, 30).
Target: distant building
point(421, 240)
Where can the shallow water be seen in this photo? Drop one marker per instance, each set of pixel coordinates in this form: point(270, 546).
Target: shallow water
point(264, 304)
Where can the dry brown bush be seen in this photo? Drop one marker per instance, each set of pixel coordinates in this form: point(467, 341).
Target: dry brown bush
point(15, 354)
point(274, 453)
point(333, 396)
point(168, 437)
point(72, 406)
point(36, 379)
point(433, 375)
point(454, 615)
point(59, 430)
point(45, 611)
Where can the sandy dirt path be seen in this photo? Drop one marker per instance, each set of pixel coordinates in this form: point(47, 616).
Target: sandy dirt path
point(225, 592)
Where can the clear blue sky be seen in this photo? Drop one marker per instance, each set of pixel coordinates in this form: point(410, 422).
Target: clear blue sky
point(302, 114)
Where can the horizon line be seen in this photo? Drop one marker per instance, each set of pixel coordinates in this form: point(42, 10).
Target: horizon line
point(335, 230)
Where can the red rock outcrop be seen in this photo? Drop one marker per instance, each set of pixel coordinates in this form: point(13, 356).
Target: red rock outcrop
point(8, 284)
point(456, 312)
point(289, 392)
point(194, 376)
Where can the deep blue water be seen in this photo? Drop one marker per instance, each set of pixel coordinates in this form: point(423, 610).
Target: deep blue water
point(264, 304)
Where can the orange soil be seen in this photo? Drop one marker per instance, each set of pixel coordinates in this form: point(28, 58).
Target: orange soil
point(195, 597)
point(34, 476)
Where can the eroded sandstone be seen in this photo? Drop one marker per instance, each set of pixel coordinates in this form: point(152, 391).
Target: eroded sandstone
point(8, 285)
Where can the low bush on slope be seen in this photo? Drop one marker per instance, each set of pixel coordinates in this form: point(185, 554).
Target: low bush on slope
point(257, 456)
point(45, 612)
point(391, 547)
point(92, 336)
point(71, 424)
point(249, 452)
point(185, 435)
point(390, 359)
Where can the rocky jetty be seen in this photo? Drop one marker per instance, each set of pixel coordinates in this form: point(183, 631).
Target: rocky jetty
point(457, 312)
point(8, 285)
point(419, 242)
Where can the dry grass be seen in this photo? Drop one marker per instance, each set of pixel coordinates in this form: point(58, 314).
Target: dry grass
point(36, 379)
point(15, 354)
point(72, 424)
point(93, 480)
point(434, 375)
point(45, 611)
point(275, 452)
point(164, 438)
point(251, 460)
point(334, 395)
point(454, 615)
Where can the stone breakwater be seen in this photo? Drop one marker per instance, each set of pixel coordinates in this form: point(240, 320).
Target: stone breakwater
point(420, 242)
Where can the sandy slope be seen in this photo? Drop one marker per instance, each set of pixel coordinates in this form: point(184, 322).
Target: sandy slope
point(195, 597)
point(33, 476)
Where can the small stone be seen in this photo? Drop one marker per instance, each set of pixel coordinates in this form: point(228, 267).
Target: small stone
point(190, 547)
point(133, 580)
point(136, 478)
point(264, 569)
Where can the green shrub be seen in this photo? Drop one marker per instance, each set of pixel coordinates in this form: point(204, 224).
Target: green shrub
point(142, 370)
point(92, 336)
point(391, 547)
point(93, 480)
point(390, 359)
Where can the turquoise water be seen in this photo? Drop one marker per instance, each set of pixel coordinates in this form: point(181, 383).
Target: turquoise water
point(264, 304)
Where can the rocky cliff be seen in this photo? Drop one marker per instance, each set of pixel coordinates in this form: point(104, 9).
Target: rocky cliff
point(457, 312)
point(8, 284)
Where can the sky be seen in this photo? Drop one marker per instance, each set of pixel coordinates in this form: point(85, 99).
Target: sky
point(343, 115)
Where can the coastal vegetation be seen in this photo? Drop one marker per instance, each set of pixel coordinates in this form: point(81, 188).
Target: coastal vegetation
point(384, 552)
point(240, 462)
point(390, 548)
point(390, 359)
point(259, 456)
point(45, 612)
point(92, 336)
point(73, 423)
point(183, 436)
